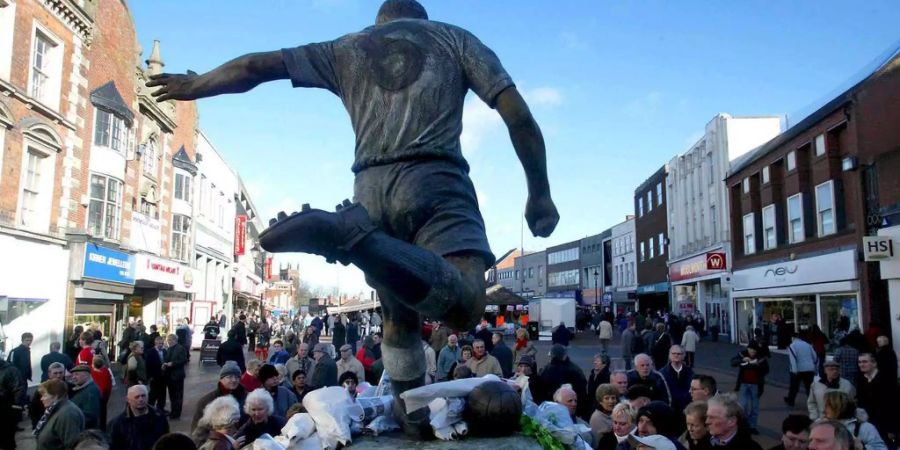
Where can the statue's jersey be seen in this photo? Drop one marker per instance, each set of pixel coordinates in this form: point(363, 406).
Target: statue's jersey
point(403, 83)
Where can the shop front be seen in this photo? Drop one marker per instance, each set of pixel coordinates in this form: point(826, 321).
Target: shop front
point(154, 277)
point(776, 299)
point(102, 289)
point(697, 289)
point(653, 296)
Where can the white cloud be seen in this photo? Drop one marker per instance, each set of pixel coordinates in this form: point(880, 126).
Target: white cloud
point(644, 106)
point(544, 96)
point(479, 121)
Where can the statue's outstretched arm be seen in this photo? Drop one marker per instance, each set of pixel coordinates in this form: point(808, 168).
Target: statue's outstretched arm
point(238, 75)
point(540, 212)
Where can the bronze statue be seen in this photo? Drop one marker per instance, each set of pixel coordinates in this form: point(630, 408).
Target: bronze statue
point(414, 229)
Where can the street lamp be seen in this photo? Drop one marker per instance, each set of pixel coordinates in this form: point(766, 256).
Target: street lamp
point(596, 286)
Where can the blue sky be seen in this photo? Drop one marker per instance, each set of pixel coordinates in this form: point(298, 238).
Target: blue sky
point(618, 88)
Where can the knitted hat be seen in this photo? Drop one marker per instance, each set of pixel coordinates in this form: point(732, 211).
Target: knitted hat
point(230, 368)
point(664, 418)
point(526, 359)
point(637, 391)
point(81, 368)
point(265, 372)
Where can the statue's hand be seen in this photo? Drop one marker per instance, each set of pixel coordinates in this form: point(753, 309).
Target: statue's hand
point(541, 214)
point(174, 86)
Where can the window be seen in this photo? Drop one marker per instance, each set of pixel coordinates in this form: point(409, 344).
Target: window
point(148, 209)
point(712, 168)
point(149, 158)
point(791, 161)
point(531, 272)
point(565, 278)
point(562, 256)
point(746, 185)
point(770, 240)
point(183, 186)
point(643, 254)
point(649, 201)
point(749, 235)
point(714, 223)
point(825, 208)
point(41, 66)
point(765, 175)
point(33, 194)
point(181, 240)
point(105, 209)
point(640, 206)
point(662, 244)
point(110, 131)
point(795, 218)
point(650, 248)
point(820, 145)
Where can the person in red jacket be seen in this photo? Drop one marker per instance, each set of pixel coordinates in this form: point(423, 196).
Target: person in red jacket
point(103, 379)
point(248, 379)
point(86, 355)
point(366, 355)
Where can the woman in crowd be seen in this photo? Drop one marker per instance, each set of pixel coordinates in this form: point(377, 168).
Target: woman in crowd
point(260, 419)
point(219, 424)
point(300, 388)
point(136, 368)
point(366, 356)
point(606, 396)
point(73, 344)
point(62, 421)
point(281, 396)
point(229, 385)
point(103, 378)
point(523, 345)
point(697, 435)
point(623, 423)
point(839, 406)
point(599, 375)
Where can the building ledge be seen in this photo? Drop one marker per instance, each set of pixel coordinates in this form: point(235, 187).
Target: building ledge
point(10, 90)
point(31, 235)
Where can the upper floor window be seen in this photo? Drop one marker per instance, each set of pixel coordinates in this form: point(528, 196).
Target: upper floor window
point(769, 237)
point(791, 161)
point(34, 196)
point(825, 208)
point(746, 185)
point(105, 209)
point(795, 218)
point(820, 145)
point(46, 69)
point(749, 235)
point(110, 131)
point(765, 175)
point(650, 248)
point(149, 158)
point(183, 186)
point(649, 201)
point(181, 237)
point(643, 252)
point(662, 244)
point(569, 254)
point(531, 272)
point(640, 206)
point(659, 194)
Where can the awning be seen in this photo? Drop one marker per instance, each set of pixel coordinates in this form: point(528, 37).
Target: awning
point(501, 296)
point(107, 97)
point(354, 308)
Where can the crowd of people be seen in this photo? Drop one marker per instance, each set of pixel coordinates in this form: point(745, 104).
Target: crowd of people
point(653, 399)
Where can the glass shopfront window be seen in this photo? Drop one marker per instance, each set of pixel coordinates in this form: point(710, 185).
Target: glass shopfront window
point(686, 293)
point(840, 314)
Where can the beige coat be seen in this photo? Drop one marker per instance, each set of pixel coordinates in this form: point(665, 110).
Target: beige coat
point(484, 366)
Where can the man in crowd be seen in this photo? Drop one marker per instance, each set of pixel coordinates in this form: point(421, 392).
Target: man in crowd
point(229, 384)
point(56, 371)
point(794, 433)
point(448, 357)
point(20, 357)
point(829, 435)
point(619, 379)
point(878, 395)
point(567, 397)
point(658, 418)
point(54, 356)
point(279, 355)
point(561, 370)
point(503, 354)
point(644, 374)
point(349, 363)
point(439, 336)
point(140, 425)
point(803, 361)
point(174, 372)
point(631, 343)
point(482, 363)
point(85, 394)
point(678, 377)
point(153, 358)
point(325, 372)
point(724, 418)
point(231, 350)
point(832, 381)
point(10, 386)
point(703, 387)
point(301, 361)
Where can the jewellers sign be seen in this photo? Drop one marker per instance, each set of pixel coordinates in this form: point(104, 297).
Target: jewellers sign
point(840, 266)
point(165, 271)
point(698, 266)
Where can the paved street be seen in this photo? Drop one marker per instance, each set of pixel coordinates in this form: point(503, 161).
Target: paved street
point(712, 358)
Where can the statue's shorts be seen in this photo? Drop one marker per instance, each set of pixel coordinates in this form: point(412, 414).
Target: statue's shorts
point(430, 203)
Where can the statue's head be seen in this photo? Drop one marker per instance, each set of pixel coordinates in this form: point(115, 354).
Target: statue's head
point(400, 9)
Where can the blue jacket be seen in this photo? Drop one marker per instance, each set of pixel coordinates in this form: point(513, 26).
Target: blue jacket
point(802, 357)
point(446, 360)
point(679, 385)
point(279, 358)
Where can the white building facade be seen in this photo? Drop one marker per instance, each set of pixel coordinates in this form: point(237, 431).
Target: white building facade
point(624, 265)
point(699, 246)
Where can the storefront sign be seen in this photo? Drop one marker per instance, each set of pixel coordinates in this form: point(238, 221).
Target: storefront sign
point(268, 269)
point(698, 266)
point(101, 263)
point(164, 271)
point(240, 234)
point(145, 233)
point(173, 296)
point(652, 288)
point(878, 248)
point(840, 266)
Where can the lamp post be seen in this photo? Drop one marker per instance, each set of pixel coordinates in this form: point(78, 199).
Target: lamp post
point(596, 286)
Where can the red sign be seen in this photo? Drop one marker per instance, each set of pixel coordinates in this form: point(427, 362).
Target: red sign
point(268, 273)
point(240, 234)
point(697, 266)
point(715, 261)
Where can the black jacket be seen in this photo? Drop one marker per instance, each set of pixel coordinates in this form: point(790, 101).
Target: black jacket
point(231, 350)
point(127, 432)
point(558, 373)
point(51, 358)
point(655, 382)
point(742, 441)
point(594, 381)
point(325, 374)
point(178, 356)
point(20, 357)
point(239, 394)
point(761, 367)
point(251, 431)
point(153, 362)
point(338, 335)
point(240, 331)
point(504, 356)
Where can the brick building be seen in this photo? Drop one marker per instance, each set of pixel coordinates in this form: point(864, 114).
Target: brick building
point(801, 205)
point(650, 231)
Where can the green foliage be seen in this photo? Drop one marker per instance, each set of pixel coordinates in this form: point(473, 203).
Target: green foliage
point(531, 427)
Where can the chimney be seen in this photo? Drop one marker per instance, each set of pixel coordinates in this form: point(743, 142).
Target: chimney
point(154, 63)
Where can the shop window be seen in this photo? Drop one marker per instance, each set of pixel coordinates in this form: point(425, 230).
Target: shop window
point(181, 232)
point(840, 315)
point(825, 208)
point(795, 218)
point(791, 161)
point(11, 308)
point(749, 235)
point(770, 240)
point(105, 209)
